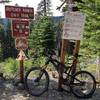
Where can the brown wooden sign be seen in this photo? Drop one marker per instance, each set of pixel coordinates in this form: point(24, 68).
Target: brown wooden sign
point(19, 12)
point(21, 43)
point(20, 28)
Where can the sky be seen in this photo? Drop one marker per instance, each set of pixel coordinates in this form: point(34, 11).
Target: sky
point(30, 3)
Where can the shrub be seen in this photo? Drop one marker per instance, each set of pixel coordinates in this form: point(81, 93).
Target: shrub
point(10, 67)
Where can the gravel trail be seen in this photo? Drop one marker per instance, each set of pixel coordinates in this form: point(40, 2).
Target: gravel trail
point(10, 92)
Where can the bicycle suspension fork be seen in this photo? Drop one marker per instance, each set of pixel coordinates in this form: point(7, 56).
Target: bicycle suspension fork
point(41, 71)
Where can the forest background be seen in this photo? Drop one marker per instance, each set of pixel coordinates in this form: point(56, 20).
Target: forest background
point(45, 30)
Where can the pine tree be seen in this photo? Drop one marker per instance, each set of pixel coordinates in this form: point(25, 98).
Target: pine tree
point(44, 8)
point(7, 45)
point(42, 35)
point(91, 39)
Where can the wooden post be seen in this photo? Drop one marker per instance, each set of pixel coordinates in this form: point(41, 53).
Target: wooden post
point(21, 71)
point(64, 45)
point(21, 57)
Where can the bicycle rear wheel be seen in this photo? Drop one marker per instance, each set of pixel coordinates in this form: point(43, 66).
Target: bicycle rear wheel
point(36, 81)
point(83, 85)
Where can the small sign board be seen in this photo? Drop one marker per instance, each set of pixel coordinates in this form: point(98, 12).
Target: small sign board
point(20, 28)
point(73, 25)
point(21, 43)
point(19, 12)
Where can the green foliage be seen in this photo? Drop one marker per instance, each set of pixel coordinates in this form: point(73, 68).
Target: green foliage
point(39, 61)
point(91, 68)
point(10, 67)
point(91, 40)
point(28, 64)
point(42, 6)
point(42, 35)
point(7, 45)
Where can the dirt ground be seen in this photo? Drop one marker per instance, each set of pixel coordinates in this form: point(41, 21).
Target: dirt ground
point(10, 92)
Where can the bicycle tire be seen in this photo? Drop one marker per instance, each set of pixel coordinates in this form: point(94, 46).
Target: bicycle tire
point(82, 90)
point(33, 88)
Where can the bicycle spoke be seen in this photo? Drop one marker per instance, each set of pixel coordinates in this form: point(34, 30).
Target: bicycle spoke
point(37, 81)
point(83, 84)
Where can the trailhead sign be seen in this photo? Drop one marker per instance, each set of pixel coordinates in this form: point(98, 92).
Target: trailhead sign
point(20, 28)
point(73, 25)
point(19, 12)
point(20, 17)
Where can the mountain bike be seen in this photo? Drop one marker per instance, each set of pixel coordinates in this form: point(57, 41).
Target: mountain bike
point(82, 84)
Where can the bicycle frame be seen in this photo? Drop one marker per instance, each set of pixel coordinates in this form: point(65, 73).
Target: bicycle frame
point(67, 69)
point(54, 62)
point(57, 64)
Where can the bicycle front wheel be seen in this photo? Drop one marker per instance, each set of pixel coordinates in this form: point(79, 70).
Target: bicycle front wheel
point(83, 85)
point(36, 81)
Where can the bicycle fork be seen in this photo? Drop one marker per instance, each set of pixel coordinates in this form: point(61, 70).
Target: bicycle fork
point(41, 72)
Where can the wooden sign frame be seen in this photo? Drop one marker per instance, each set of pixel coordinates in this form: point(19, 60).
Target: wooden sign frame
point(63, 53)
